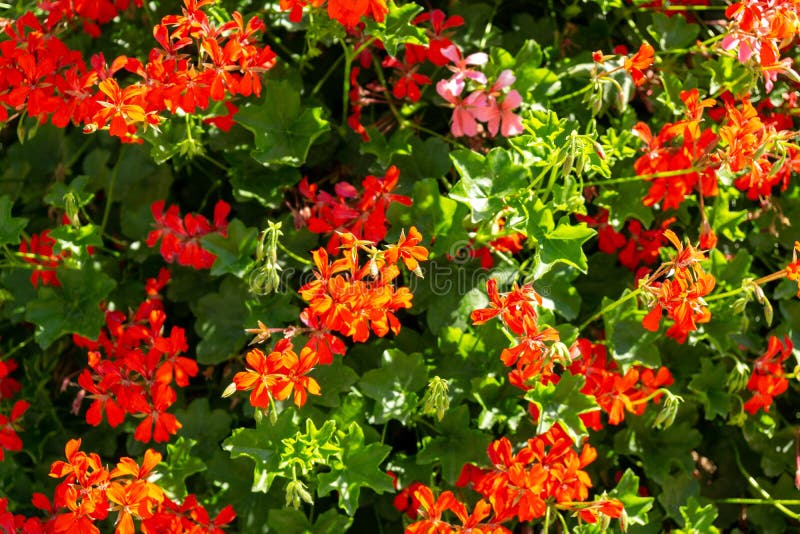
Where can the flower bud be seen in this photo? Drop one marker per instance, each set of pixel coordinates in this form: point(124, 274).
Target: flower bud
point(666, 416)
point(436, 400)
point(296, 492)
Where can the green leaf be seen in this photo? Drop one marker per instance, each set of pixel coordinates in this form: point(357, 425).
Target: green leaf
point(266, 186)
point(395, 386)
point(558, 293)
point(630, 343)
point(455, 445)
point(290, 521)
point(234, 252)
point(672, 32)
point(10, 227)
point(360, 467)
point(698, 519)
point(283, 129)
point(563, 245)
point(305, 450)
point(397, 28)
point(336, 379)
point(710, 386)
point(179, 465)
point(74, 308)
point(76, 240)
point(636, 506)
point(562, 403)
point(485, 180)
point(624, 202)
point(263, 445)
point(205, 426)
point(223, 316)
point(726, 222)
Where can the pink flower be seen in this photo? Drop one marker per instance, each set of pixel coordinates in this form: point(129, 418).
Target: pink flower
point(461, 64)
point(466, 110)
point(500, 116)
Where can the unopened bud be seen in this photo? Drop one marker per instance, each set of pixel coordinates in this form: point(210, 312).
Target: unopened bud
point(296, 492)
point(436, 400)
point(768, 311)
point(738, 377)
point(230, 390)
point(71, 207)
point(666, 416)
point(739, 305)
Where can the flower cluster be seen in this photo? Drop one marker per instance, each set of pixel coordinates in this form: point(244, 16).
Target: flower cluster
point(90, 493)
point(614, 391)
point(531, 356)
point(39, 253)
point(40, 76)
point(755, 148)
point(347, 13)
point(678, 161)
point(488, 103)
point(640, 248)
point(133, 365)
point(680, 295)
point(9, 424)
point(91, 14)
point(758, 30)
point(405, 78)
point(180, 238)
point(362, 214)
point(547, 471)
point(768, 379)
point(347, 298)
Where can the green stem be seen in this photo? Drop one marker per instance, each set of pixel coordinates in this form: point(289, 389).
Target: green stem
point(325, 76)
point(573, 94)
point(641, 177)
point(764, 493)
point(294, 256)
point(348, 65)
point(734, 500)
point(609, 308)
point(110, 191)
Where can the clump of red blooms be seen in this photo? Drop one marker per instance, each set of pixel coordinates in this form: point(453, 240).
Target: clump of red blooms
point(614, 391)
point(751, 143)
point(490, 103)
point(678, 161)
point(10, 424)
point(39, 252)
point(505, 244)
point(346, 12)
point(91, 493)
point(133, 365)
point(180, 238)
point(758, 30)
point(756, 147)
point(535, 354)
point(348, 298)
point(547, 471)
point(636, 65)
point(43, 78)
point(639, 249)
point(768, 379)
point(362, 214)
point(680, 293)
